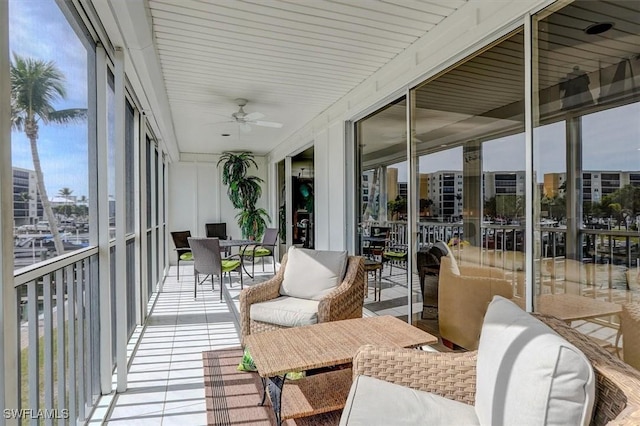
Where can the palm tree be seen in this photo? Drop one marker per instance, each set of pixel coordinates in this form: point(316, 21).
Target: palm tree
point(35, 86)
point(66, 194)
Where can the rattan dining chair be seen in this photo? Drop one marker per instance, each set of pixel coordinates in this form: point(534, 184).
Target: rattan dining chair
point(180, 240)
point(266, 248)
point(207, 260)
point(218, 230)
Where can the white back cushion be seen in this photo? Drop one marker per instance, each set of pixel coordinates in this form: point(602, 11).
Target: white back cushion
point(452, 265)
point(529, 375)
point(312, 274)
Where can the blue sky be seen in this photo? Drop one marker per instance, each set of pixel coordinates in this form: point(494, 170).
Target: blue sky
point(39, 30)
point(610, 141)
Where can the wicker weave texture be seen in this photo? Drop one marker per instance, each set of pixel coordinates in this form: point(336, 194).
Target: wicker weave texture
point(451, 375)
point(328, 344)
point(320, 393)
point(345, 302)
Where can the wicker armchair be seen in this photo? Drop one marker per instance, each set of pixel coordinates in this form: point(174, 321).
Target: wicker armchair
point(453, 375)
point(344, 302)
point(463, 299)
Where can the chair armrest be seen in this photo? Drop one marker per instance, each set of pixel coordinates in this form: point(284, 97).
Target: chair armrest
point(449, 374)
point(345, 302)
point(262, 292)
point(462, 304)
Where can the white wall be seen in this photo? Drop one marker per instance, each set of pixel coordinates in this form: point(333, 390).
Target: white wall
point(197, 195)
point(473, 26)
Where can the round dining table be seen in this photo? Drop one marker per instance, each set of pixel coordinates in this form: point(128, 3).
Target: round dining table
point(243, 244)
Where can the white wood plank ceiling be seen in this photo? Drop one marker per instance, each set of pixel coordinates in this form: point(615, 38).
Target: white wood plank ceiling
point(291, 59)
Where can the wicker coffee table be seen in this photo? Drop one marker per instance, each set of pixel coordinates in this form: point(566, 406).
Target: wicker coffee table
point(317, 346)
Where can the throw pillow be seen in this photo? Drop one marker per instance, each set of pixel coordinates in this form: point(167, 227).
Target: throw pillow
point(312, 274)
point(246, 364)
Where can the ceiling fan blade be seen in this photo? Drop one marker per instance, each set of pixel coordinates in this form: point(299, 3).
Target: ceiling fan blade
point(252, 116)
point(268, 124)
point(245, 127)
point(220, 122)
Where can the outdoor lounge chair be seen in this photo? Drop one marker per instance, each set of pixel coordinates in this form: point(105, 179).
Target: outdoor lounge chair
point(311, 286)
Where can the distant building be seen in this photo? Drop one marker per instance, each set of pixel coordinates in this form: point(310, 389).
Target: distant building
point(595, 183)
point(27, 207)
point(552, 183)
point(503, 183)
point(445, 190)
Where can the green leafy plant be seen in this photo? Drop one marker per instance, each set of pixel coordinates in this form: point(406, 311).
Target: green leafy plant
point(244, 192)
point(235, 166)
point(252, 222)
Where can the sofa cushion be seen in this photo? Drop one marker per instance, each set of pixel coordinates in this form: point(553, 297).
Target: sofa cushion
point(312, 274)
point(286, 311)
point(375, 402)
point(527, 374)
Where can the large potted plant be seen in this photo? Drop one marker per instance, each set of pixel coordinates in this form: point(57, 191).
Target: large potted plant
point(244, 192)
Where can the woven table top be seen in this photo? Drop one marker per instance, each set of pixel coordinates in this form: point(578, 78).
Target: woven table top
point(328, 344)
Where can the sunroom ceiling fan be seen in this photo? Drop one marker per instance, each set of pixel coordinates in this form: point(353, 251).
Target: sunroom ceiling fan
point(245, 120)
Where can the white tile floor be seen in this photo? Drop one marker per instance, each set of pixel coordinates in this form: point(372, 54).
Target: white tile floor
point(165, 382)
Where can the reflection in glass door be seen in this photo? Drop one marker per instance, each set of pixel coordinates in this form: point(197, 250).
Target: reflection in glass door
point(382, 208)
point(468, 148)
point(586, 148)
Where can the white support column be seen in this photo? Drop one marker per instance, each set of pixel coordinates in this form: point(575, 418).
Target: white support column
point(412, 202)
point(121, 222)
point(530, 236)
point(142, 217)
point(289, 197)
point(161, 247)
point(152, 251)
point(8, 302)
point(138, 228)
point(102, 221)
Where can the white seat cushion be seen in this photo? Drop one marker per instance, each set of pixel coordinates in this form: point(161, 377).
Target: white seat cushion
point(376, 402)
point(312, 274)
point(529, 375)
point(286, 311)
point(453, 263)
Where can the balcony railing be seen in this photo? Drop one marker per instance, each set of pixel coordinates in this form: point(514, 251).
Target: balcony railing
point(58, 351)
point(609, 257)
